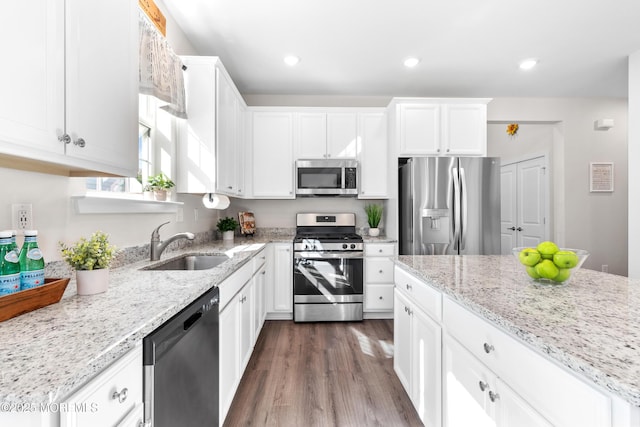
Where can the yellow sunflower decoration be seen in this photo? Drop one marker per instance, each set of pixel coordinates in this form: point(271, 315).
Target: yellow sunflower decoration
point(512, 129)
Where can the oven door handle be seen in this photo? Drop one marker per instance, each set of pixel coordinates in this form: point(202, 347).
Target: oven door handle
point(328, 255)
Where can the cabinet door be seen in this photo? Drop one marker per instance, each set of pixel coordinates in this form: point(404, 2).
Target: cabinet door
point(32, 78)
point(196, 145)
point(247, 332)
point(312, 136)
point(419, 129)
point(464, 129)
point(426, 363)
point(102, 84)
point(466, 387)
point(402, 340)
point(260, 279)
point(513, 410)
point(229, 332)
point(373, 156)
point(342, 135)
point(226, 138)
point(282, 278)
point(272, 142)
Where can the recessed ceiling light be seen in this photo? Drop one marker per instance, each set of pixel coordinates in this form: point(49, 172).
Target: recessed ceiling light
point(291, 60)
point(411, 62)
point(528, 64)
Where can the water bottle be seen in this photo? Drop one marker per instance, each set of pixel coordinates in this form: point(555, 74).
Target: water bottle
point(9, 265)
point(31, 262)
point(14, 244)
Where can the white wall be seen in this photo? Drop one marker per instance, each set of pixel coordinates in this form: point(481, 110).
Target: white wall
point(596, 222)
point(634, 161)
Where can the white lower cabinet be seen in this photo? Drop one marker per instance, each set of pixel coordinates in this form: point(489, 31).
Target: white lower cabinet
point(417, 358)
point(474, 395)
point(112, 398)
point(279, 294)
point(378, 279)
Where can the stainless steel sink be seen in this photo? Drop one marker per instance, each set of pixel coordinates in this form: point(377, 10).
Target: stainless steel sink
point(191, 262)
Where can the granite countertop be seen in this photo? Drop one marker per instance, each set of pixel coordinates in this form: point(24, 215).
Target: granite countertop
point(591, 325)
point(47, 353)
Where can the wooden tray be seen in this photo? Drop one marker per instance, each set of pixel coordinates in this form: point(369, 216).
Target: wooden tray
point(18, 303)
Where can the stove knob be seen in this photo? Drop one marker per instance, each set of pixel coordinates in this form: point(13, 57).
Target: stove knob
point(344, 246)
point(353, 246)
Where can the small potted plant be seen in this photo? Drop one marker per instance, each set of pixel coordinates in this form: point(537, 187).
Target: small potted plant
point(91, 259)
point(160, 184)
point(227, 226)
point(374, 214)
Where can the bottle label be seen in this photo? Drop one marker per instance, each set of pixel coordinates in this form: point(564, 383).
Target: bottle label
point(31, 279)
point(34, 254)
point(11, 256)
point(9, 284)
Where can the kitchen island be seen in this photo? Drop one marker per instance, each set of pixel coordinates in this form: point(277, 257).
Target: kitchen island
point(590, 326)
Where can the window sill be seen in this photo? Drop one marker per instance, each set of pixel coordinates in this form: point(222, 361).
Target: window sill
point(107, 203)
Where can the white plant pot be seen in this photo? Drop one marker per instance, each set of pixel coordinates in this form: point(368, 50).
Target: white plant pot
point(90, 282)
point(160, 195)
point(227, 235)
point(374, 232)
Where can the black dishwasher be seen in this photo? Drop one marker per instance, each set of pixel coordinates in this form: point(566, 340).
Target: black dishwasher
point(181, 367)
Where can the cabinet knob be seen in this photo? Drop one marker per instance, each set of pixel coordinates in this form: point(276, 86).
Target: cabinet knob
point(229, 187)
point(121, 396)
point(65, 138)
point(493, 396)
point(511, 228)
point(380, 297)
point(409, 287)
point(483, 385)
point(438, 150)
point(79, 142)
point(381, 271)
point(380, 250)
point(488, 348)
point(328, 155)
point(447, 150)
point(519, 229)
point(264, 272)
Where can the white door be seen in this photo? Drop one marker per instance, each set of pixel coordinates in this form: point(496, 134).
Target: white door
point(342, 135)
point(524, 200)
point(312, 136)
point(426, 367)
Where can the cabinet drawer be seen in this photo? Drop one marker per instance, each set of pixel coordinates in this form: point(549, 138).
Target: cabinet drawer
point(232, 284)
point(378, 270)
point(378, 298)
point(379, 249)
point(258, 260)
point(552, 390)
point(421, 294)
point(111, 396)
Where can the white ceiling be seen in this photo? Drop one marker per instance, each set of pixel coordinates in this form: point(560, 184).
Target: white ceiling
point(467, 47)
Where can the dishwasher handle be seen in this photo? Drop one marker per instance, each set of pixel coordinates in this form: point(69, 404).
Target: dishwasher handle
point(191, 320)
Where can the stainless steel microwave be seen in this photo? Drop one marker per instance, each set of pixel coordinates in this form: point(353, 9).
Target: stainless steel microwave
point(327, 177)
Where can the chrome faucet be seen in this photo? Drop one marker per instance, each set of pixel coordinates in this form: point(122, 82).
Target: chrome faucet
point(157, 246)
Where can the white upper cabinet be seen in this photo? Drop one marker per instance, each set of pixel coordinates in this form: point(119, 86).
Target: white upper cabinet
point(211, 140)
point(323, 134)
point(271, 135)
point(69, 82)
point(440, 127)
point(373, 158)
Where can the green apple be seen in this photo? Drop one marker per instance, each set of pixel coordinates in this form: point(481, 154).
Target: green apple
point(547, 249)
point(531, 271)
point(529, 257)
point(547, 269)
point(565, 259)
point(563, 274)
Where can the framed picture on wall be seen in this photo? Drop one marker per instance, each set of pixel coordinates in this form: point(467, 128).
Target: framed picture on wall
point(601, 177)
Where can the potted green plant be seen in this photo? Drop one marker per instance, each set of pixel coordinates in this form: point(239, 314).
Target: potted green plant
point(160, 184)
point(374, 215)
point(227, 226)
point(91, 259)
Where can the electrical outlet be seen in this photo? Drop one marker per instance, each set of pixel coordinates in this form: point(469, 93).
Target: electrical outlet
point(605, 268)
point(180, 215)
point(22, 216)
point(195, 215)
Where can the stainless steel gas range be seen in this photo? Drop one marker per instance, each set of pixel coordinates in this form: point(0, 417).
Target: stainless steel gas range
point(327, 268)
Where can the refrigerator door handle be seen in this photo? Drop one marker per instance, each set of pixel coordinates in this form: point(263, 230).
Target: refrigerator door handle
point(456, 208)
point(463, 202)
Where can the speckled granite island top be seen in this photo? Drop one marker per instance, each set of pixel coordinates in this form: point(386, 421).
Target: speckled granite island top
point(591, 325)
point(48, 353)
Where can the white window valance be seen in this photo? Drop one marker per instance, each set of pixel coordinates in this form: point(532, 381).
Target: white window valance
point(161, 70)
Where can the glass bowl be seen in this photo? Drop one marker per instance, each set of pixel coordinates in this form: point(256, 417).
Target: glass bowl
point(566, 266)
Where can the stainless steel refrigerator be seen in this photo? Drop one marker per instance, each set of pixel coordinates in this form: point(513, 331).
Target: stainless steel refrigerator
point(449, 205)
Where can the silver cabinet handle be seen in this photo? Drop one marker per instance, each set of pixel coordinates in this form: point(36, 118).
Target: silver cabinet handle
point(511, 228)
point(65, 138)
point(488, 348)
point(483, 385)
point(79, 142)
point(229, 187)
point(409, 287)
point(380, 250)
point(493, 396)
point(519, 228)
point(381, 271)
point(379, 297)
point(263, 272)
point(447, 150)
point(438, 150)
point(121, 396)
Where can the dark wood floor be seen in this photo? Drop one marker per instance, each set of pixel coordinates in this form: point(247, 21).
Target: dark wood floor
point(322, 374)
